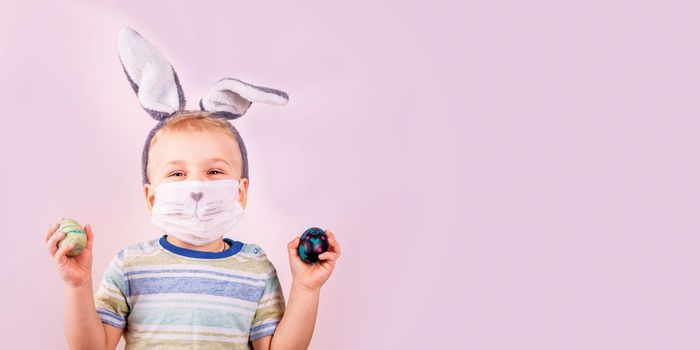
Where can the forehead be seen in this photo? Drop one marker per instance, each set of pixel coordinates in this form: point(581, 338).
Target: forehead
point(194, 146)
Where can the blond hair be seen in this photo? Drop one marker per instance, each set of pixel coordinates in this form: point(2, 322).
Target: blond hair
point(197, 121)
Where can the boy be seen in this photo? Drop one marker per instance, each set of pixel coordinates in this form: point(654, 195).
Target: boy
point(191, 288)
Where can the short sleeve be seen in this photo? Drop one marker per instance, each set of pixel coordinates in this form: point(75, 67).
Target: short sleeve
point(270, 306)
point(111, 298)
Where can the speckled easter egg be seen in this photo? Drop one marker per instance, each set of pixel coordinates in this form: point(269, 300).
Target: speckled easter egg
point(313, 242)
point(74, 233)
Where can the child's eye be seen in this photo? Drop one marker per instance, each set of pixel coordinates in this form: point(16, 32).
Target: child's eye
point(177, 172)
point(216, 171)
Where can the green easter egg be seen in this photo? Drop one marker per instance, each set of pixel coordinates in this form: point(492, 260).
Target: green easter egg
point(75, 234)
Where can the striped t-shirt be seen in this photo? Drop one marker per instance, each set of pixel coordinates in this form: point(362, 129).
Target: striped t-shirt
point(167, 297)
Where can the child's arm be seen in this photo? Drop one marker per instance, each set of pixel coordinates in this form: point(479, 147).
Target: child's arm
point(297, 325)
point(83, 327)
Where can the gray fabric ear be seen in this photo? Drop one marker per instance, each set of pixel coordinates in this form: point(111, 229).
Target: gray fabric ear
point(151, 76)
point(231, 98)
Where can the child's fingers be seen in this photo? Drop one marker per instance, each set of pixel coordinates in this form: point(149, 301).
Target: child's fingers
point(329, 256)
point(333, 242)
point(330, 234)
point(50, 232)
point(327, 263)
point(60, 256)
point(88, 232)
point(51, 244)
point(292, 246)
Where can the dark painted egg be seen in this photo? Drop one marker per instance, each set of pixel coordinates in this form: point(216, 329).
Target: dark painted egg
point(312, 243)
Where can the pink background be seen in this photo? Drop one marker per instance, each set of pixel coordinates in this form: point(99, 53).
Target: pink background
point(500, 174)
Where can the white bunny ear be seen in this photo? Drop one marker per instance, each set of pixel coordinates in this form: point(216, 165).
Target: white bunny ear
point(151, 76)
point(231, 97)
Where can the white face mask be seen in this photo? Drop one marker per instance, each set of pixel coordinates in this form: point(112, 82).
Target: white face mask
point(197, 212)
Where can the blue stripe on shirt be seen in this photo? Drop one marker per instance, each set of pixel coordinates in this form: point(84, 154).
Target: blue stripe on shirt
point(196, 285)
point(216, 273)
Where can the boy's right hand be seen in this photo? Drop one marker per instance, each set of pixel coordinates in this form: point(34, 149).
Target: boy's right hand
point(75, 271)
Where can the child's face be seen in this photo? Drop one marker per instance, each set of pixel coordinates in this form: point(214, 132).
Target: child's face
point(203, 156)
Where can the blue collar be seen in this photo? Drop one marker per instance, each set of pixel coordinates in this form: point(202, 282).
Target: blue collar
point(236, 246)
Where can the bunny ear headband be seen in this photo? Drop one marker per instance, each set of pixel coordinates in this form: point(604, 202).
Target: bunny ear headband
point(159, 92)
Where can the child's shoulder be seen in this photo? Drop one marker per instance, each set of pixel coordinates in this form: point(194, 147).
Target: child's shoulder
point(253, 250)
point(143, 247)
point(254, 256)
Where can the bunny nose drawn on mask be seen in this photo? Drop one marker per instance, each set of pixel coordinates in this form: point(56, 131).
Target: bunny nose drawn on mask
point(196, 196)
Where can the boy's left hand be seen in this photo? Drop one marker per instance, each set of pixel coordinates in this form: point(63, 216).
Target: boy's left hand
point(313, 276)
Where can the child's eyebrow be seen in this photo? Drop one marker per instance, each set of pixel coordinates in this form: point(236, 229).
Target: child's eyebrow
point(216, 159)
point(172, 162)
point(206, 161)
